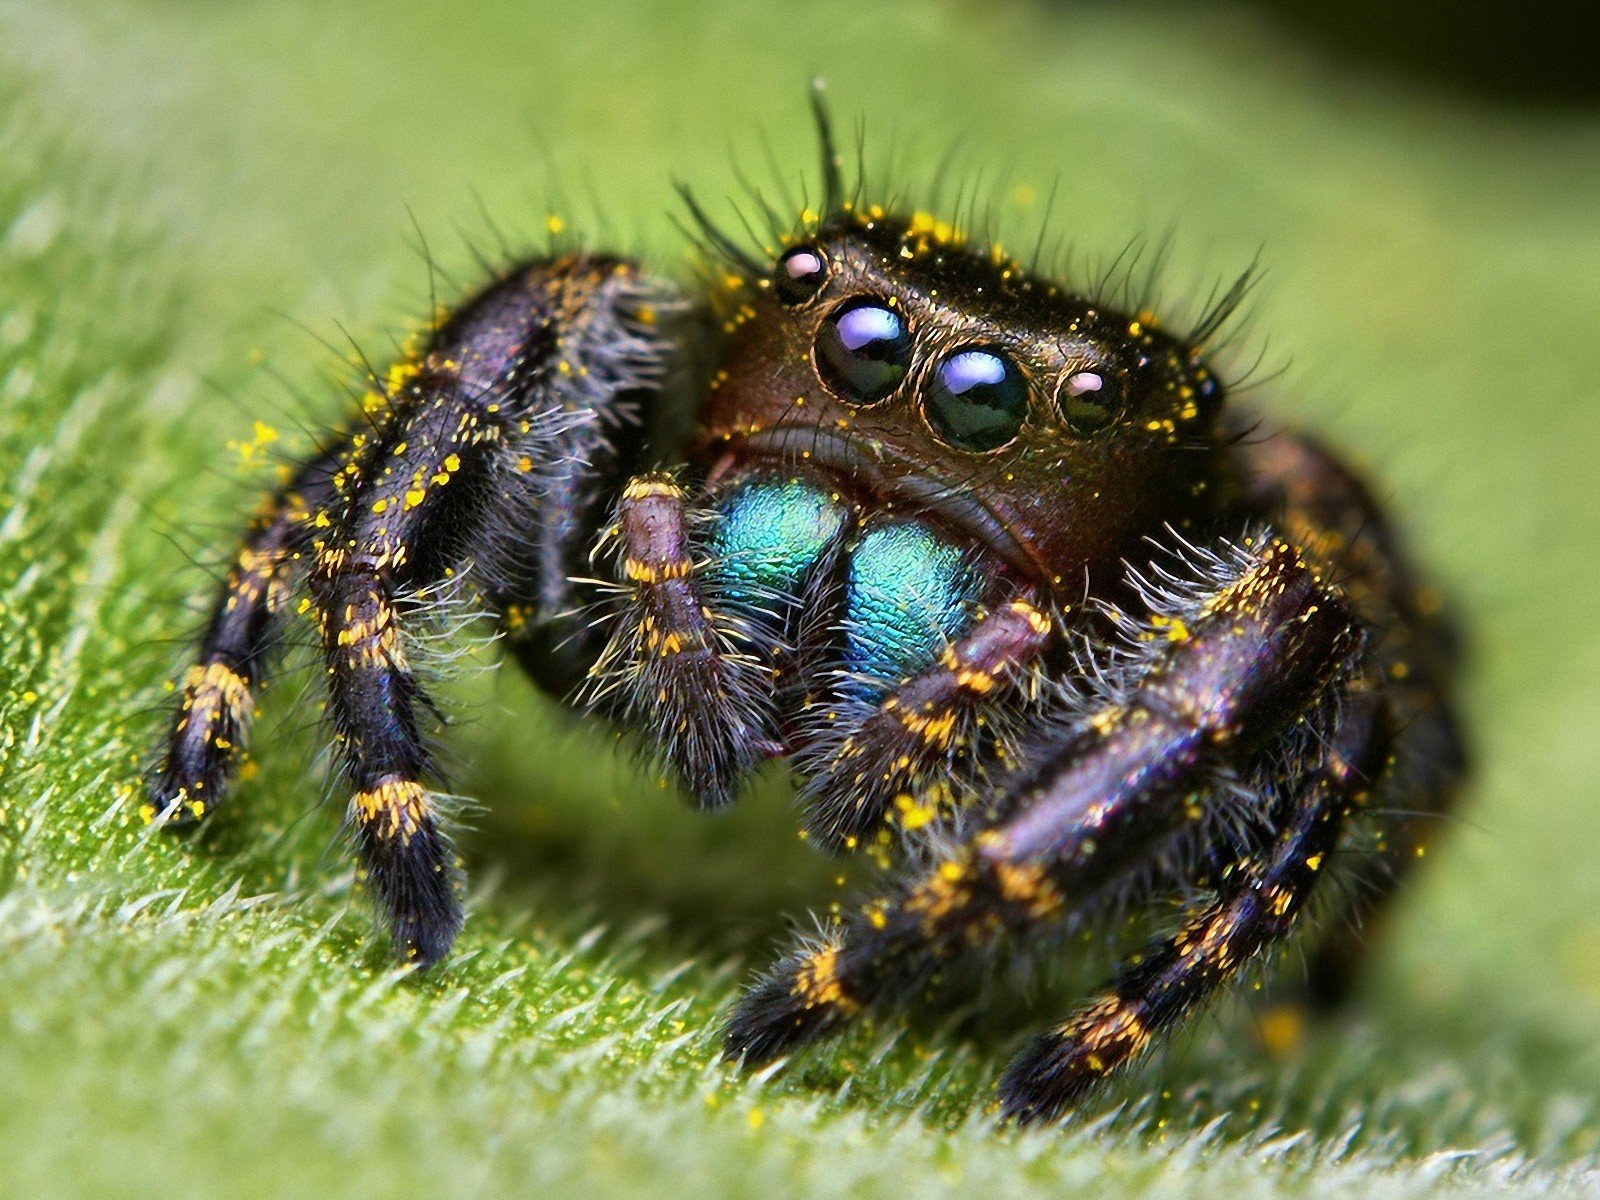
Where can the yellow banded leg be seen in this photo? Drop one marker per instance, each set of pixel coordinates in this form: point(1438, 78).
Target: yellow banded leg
point(216, 701)
point(1255, 909)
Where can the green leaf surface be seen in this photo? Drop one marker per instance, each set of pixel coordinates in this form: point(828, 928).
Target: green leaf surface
point(200, 203)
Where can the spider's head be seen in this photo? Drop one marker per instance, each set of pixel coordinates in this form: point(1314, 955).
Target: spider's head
point(944, 377)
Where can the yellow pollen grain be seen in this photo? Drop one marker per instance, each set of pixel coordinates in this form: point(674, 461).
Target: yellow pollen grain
point(250, 452)
point(1173, 627)
point(1282, 1029)
point(913, 815)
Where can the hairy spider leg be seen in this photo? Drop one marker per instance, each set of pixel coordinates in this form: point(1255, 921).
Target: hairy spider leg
point(679, 666)
point(897, 761)
point(217, 700)
point(1415, 650)
point(728, 595)
point(447, 479)
point(1212, 686)
point(1256, 905)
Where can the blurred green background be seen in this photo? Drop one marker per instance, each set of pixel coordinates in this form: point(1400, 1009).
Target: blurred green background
point(198, 203)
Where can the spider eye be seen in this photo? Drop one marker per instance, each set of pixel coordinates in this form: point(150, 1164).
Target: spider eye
point(800, 275)
point(863, 351)
point(1089, 400)
point(978, 400)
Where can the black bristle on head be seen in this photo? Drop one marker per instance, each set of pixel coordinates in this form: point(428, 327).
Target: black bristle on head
point(832, 171)
point(712, 236)
point(1221, 310)
point(715, 239)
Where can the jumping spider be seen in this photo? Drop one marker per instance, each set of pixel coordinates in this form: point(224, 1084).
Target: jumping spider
point(1033, 617)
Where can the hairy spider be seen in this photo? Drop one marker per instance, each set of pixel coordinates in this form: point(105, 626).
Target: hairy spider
point(1038, 623)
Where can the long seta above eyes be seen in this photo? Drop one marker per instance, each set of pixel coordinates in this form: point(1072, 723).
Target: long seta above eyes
point(784, 241)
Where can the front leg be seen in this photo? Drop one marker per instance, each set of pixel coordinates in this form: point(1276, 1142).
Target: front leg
point(680, 669)
point(706, 616)
point(1258, 902)
point(453, 472)
point(1216, 683)
point(1417, 650)
point(896, 762)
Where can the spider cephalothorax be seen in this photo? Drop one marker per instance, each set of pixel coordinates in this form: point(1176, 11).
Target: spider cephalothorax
point(886, 348)
point(1033, 618)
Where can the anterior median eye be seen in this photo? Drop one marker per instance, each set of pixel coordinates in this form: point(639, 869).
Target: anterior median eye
point(863, 350)
point(977, 400)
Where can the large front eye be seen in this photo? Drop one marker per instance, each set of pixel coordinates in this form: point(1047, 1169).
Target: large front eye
point(978, 400)
point(863, 351)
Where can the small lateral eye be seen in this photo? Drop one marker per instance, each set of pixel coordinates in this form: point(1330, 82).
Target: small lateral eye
point(977, 400)
point(800, 275)
point(1089, 400)
point(863, 350)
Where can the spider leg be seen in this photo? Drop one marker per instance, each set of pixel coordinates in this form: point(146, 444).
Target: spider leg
point(1429, 761)
point(1306, 492)
point(905, 745)
point(691, 662)
point(448, 477)
point(1255, 907)
point(1216, 683)
point(217, 699)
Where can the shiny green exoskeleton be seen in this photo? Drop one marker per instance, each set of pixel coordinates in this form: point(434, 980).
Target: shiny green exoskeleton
point(908, 592)
point(1037, 620)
